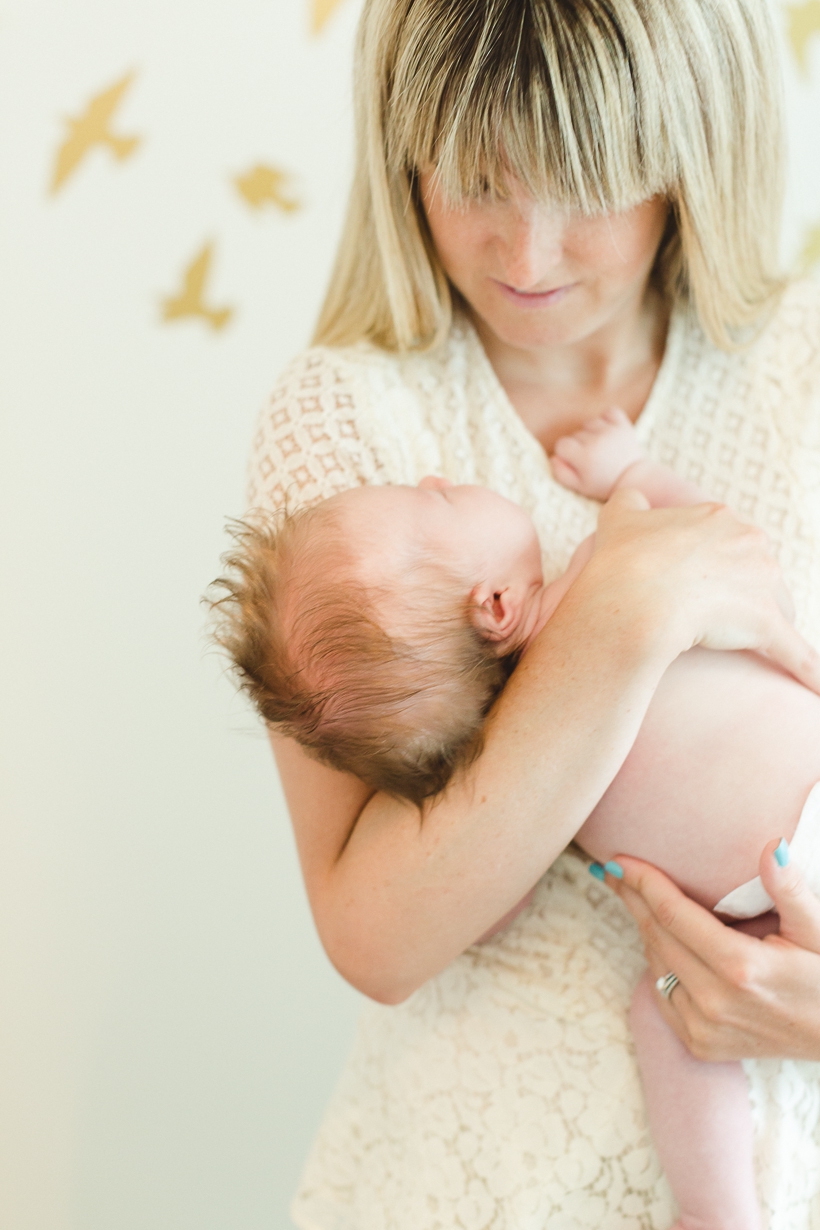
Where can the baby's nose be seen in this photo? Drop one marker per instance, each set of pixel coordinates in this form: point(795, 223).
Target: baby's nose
point(431, 482)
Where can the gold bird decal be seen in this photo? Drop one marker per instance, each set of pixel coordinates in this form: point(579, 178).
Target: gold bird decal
point(804, 21)
point(264, 185)
point(191, 300)
point(320, 12)
point(90, 129)
point(810, 254)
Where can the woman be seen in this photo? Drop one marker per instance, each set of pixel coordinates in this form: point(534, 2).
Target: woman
point(557, 207)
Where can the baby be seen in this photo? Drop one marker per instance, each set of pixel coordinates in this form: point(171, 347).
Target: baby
point(378, 627)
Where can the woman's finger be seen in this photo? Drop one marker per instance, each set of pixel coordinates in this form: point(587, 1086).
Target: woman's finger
point(797, 905)
point(702, 1008)
point(710, 1037)
point(787, 647)
point(696, 1008)
point(738, 997)
point(665, 953)
point(725, 590)
point(677, 1011)
point(675, 921)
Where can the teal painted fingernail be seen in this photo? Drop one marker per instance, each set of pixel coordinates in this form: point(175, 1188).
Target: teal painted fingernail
point(595, 869)
point(614, 869)
point(781, 854)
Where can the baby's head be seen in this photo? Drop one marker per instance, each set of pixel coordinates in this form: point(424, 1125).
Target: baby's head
point(377, 627)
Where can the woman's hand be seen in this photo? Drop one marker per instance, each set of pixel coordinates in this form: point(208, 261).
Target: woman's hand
point(724, 590)
point(738, 997)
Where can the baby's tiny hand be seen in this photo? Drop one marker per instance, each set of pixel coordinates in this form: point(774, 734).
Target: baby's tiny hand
point(591, 460)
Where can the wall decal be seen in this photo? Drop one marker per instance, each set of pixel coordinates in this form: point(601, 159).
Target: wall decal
point(804, 21)
point(190, 302)
point(320, 12)
point(810, 254)
point(265, 185)
point(91, 129)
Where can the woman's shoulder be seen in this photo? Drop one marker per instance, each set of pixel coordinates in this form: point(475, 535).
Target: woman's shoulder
point(305, 447)
point(786, 364)
point(344, 416)
point(363, 366)
point(802, 296)
point(781, 361)
point(795, 326)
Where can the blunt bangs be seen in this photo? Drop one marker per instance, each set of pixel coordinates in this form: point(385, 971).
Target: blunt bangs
point(560, 99)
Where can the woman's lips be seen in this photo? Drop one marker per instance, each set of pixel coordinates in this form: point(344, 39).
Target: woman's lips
point(534, 299)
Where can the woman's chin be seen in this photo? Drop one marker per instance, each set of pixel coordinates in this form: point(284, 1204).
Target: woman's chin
point(566, 321)
point(533, 330)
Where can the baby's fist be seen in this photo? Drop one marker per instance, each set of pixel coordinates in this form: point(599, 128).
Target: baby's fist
point(591, 460)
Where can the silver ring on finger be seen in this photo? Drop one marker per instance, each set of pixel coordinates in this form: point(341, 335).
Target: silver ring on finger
point(667, 984)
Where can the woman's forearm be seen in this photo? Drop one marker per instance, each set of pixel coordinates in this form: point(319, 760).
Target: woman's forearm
point(409, 893)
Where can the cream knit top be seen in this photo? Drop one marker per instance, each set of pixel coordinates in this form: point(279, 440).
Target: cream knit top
point(503, 1095)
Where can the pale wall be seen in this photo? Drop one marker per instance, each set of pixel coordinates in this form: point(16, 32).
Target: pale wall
point(169, 1026)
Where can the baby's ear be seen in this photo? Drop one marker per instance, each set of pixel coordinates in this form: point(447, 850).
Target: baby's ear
point(494, 613)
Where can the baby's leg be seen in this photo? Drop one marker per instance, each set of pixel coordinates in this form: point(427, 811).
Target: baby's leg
point(701, 1123)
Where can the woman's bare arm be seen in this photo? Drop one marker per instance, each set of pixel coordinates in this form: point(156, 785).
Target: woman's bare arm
point(396, 896)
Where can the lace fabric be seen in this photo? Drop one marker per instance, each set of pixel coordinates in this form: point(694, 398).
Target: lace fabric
point(504, 1095)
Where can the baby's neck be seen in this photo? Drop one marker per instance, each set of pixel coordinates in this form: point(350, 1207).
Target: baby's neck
point(536, 610)
point(542, 600)
point(544, 603)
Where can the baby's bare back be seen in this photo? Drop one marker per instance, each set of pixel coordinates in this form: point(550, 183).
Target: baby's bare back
point(723, 762)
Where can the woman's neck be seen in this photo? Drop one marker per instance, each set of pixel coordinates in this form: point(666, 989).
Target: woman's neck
point(554, 389)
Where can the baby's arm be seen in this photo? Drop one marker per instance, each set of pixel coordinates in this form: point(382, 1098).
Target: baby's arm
point(606, 455)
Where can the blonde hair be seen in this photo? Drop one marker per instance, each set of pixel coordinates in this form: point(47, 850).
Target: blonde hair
point(592, 104)
point(308, 646)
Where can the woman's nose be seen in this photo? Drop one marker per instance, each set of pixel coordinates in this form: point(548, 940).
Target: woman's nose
point(532, 246)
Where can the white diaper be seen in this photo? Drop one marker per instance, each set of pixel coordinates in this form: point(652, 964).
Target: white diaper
point(751, 898)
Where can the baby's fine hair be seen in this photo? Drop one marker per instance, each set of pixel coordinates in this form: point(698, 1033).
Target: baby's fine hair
point(400, 709)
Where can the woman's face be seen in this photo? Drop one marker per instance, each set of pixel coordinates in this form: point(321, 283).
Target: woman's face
point(539, 276)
